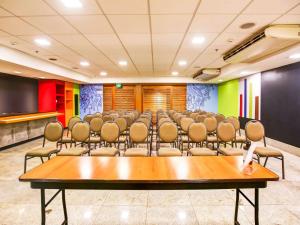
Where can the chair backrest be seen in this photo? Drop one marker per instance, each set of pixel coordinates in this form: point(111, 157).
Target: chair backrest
point(72, 121)
point(185, 123)
point(210, 123)
point(128, 119)
point(80, 131)
point(98, 114)
point(194, 115)
point(220, 118)
point(197, 132)
point(138, 132)
point(226, 131)
point(144, 120)
point(164, 119)
point(110, 132)
point(107, 118)
point(168, 132)
point(88, 118)
point(235, 122)
point(122, 123)
point(200, 118)
point(96, 124)
point(254, 130)
point(53, 131)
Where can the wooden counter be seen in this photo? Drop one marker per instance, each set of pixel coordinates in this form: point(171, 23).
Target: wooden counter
point(27, 117)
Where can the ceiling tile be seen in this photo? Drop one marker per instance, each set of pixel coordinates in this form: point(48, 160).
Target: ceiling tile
point(170, 23)
point(164, 49)
point(83, 47)
point(51, 24)
point(91, 24)
point(270, 6)
point(218, 63)
point(222, 6)
point(27, 7)
point(205, 59)
point(88, 7)
point(124, 7)
point(259, 20)
point(288, 19)
point(211, 23)
point(130, 23)
point(173, 6)
point(3, 12)
point(295, 11)
point(189, 51)
point(16, 26)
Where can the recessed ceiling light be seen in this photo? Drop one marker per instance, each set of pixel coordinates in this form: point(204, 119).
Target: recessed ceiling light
point(295, 56)
point(175, 73)
point(220, 80)
point(182, 63)
point(42, 77)
point(245, 26)
point(42, 42)
point(84, 63)
point(198, 40)
point(103, 73)
point(123, 63)
point(72, 3)
point(245, 72)
point(17, 72)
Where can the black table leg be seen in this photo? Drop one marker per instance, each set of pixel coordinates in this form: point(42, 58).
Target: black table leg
point(237, 198)
point(63, 195)
point(43, 207)
point(256, 206)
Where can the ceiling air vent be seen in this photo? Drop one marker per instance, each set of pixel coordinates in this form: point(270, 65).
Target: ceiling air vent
point(206, 74)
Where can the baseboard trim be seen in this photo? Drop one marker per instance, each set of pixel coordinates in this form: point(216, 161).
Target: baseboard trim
point(20, 143)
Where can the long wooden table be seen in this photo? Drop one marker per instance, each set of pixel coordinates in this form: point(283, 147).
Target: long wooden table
point(27, 117)
point(148, 173)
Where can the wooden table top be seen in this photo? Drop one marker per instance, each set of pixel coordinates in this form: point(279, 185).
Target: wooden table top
point(214, 169)
point(27, 117)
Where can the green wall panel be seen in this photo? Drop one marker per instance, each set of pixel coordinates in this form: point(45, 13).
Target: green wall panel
point(228, 98)
point(76, 91)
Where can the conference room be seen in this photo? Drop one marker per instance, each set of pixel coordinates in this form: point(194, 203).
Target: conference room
point(156, 112)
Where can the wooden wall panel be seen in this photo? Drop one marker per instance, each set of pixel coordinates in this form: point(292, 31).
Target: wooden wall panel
point(124, 98)
point(179, 98)
point(107, 98)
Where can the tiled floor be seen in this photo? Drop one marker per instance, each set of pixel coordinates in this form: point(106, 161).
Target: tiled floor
point(19, 204)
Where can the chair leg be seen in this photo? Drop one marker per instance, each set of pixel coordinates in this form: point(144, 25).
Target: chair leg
point(258, 158)
point(282, 165)
point(42, 159)
point(25, 164)
point(266, 161)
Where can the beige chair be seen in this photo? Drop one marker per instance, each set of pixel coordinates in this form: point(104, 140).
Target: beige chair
point(255, 132)
point(95, 126)
point(122, 123)
point(184, 125)
point(110, 133)
point(138, 134)
point(53, 132)
point(107, 118)
point(87, 118)
point(67, 139)
point(167, 133)
point(197, 136)
point(220, 118)
point(200, 118)
point(80, 135)
point(236, 123)
point(211, 124)
point(98, 114)
point(226, 135)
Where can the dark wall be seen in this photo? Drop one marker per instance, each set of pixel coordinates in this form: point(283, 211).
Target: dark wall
point(18, 95)
point(280, 103)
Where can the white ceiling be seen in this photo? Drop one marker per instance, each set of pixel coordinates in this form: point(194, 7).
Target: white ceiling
point(151, 35)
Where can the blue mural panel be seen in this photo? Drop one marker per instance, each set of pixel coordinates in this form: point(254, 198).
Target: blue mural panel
point(202, 96)
point(91, 99)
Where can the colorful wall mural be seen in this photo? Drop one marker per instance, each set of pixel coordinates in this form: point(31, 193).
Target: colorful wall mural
point(202, 96)
point(91, 99)
point(250, 96)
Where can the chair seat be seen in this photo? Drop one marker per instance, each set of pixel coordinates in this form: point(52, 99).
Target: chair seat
point(240, 138)
point(212, 139)
point(202, 152)
point(231, 151)
point(95, 139)
point(105, 151)
point(267, 152)
point(136, 152)
point(122, 138)
point(169, 152)
point(42, 152)
point(78, 151)
point(66, 139)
